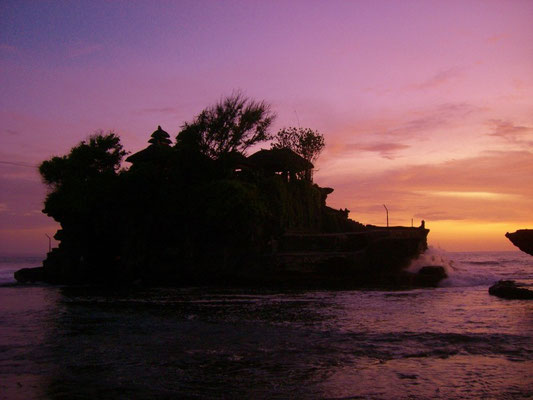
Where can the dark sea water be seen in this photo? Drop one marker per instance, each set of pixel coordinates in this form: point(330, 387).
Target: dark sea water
point(452, 342)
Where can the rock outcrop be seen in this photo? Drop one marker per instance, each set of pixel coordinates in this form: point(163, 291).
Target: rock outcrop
point(510, 290)
point(430, 275)
point(374, 258)
point(27, 275)
point(523, 239)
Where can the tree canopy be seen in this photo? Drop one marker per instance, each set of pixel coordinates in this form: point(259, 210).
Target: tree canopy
point(100, 154)
point(233, 124)
point(303, 141)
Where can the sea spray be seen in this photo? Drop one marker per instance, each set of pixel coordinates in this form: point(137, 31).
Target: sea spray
point(484, 269)
point(433, 257)
point(462, 271)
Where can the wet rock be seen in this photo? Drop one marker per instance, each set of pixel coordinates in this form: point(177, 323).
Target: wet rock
point(26, 275)
point(510, 290)
point(430, 275)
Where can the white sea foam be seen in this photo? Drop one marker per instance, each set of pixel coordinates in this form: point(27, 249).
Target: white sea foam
point(464, 269)
point(433, 257)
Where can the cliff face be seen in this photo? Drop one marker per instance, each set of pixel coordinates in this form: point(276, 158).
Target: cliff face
point(523, 239)
point(376, 257)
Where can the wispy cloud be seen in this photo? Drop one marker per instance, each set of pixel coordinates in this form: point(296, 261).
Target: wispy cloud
point(388, 136)
point(497, 38)
point(488, 187)
point(491, 172)
point(20, 197)
point(31, 213)
point(439, 79)
point(469, 194)
point(385, 150)
point(441, 116)
point(158, 110)
point(517, 134)
point(438, 216)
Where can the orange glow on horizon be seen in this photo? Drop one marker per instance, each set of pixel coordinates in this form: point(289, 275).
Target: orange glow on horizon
point(473, 235)
point(464, 235)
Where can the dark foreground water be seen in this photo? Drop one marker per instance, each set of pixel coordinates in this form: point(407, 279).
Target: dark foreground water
point(453, 342)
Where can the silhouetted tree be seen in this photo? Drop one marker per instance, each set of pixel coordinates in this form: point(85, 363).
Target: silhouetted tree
point(233, 124)
point(100, 155)
point(84, 199)
point(303, 141)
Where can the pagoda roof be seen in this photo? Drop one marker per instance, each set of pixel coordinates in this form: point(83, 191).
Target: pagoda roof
point(160, 137)
point(159, 147)
point(151, 153)
point(280, 160)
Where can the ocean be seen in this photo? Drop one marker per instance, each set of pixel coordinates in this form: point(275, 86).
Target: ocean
point(451, 342)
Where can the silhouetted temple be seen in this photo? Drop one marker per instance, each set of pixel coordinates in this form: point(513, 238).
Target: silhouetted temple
point(158, 149)
point(283, 161)
point(187, 213)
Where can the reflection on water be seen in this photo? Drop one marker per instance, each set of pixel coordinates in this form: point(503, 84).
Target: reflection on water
point(451, 342)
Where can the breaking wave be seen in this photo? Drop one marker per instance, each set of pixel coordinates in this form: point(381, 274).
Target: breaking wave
point(474, 269)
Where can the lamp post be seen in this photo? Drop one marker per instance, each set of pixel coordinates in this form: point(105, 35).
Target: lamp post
point(49, 242)
point(387, 210)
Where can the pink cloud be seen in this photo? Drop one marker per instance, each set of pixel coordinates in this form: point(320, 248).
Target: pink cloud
point(443, 115)
point(488, 187)
point(385, 150)
point(439, 79)
point(158, 110)
point(490, 172)
point(412, 123)
point(507, 130)
point(497, 38)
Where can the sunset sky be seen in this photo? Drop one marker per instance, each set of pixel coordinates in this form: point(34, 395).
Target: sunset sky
point(426, 106)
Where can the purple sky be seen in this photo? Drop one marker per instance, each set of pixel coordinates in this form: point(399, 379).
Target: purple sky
point(426, 106)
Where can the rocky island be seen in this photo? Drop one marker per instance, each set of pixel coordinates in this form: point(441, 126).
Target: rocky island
point(200, 211)
point(523, 239)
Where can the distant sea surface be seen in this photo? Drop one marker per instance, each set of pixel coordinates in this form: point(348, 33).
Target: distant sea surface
point(451, 342)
